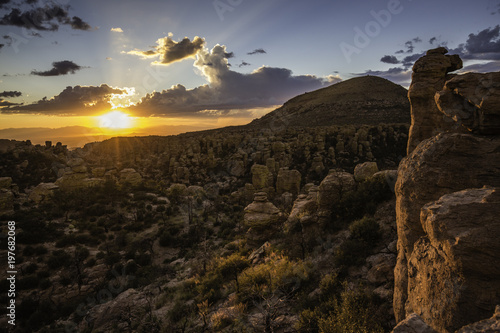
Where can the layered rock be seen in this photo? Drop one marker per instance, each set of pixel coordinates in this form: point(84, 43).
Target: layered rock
point(263, 218)
point(365, 170)
point(435, 274)
point(454, 272)
point(288, 181)
point(332, 189)
point(429, 75)
point(472, 101)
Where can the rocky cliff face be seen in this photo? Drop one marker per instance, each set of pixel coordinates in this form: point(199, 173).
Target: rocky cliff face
point(446, 263)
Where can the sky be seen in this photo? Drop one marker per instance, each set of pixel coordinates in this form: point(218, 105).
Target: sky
point(204, 64)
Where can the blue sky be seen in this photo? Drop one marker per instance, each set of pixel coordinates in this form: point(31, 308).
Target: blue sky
point(297, 46)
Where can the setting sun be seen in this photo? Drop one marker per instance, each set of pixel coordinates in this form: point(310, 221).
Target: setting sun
point(115, 120)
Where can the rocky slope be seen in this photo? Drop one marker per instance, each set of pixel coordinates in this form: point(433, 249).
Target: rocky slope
point(447, 197)
point(363, 100)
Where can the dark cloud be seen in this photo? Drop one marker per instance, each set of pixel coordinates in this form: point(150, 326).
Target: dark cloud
point(228, 91)
point(417, 40)
point(257, 51)
point(408, 61)
point(10, 94)
point(5, 104)
point(388, 59)
point(78, 100)
point(1, 46)
point(492, 66)
point(485, 45)
point(396, 74)
point(46, 18)
point(3, 2)
point(400, 52)
point(59, 68)
point(229, 55)
point(432, 40)
point(243, 63)
point(170, 51)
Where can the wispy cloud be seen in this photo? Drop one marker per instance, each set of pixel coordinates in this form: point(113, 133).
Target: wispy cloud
point(117, 30)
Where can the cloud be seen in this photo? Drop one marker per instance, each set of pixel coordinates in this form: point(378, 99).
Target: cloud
point(408, 61)
point(484, 45)
point(116, 29)
point(10, 94)
point(5, 104)
point(432, 40)
point(243, 63)
point(396, 74)
point(492, 66)
point(229, 55)
point(227, 91)
point(257, 51)
point(78, 100)
point(169, 51)
point(1, 46)
point(388, 59)
point(47, 18)
point(59, 68)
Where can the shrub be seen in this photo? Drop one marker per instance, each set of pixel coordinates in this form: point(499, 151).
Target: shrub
point(58, 259)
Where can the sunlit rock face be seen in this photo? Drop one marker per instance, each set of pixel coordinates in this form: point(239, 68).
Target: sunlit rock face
point(442, 209)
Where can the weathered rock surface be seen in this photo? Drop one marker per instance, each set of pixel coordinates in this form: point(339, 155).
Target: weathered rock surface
point(332, 188)
point(441, 272)
point(491, 325)
point(263, 218)
point(42, 192)
point(130, 176)
point(288, 181)
point(365, 170)
point(454, 271)
point(429, 75)
point(472, 101)
point(413, 324)
point(262, 178)
point(441, 165)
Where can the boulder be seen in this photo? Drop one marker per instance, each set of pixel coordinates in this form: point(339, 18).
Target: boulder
point(98, 172)
point(288, 181)
point(5, 182)
point(491, 325)
point(454, 270)
point(441, 165)
point(332, 188)
point(429, 75)
point(364, 171)
point(263, 218)
point(413, 324)
point(471, 101)
point(261, 177)
point(42, 192)
point(6, 200)
point(131, 177)
point(72, 181)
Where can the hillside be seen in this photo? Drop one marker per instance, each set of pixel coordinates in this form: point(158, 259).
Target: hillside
point(363, 100)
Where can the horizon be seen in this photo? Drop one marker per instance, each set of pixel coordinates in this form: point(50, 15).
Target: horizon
point(171, 68)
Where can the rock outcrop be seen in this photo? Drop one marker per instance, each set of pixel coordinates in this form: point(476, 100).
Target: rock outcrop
point(429, 75)
point(437, 270)
point(365, 170)
point(332, 189)
point(263, 218)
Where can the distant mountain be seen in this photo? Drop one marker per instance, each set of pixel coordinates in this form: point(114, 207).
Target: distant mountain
point(362, 100)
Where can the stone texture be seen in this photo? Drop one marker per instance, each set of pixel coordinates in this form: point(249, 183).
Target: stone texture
point(454, 271)
point(261, 177)
point(263, 218)
point(130, 176)
point(491, 325)
point(42, 192)
point(288, 181)
point(472, 101)
point(413, 324)
point(5, 182)
point(332, 188)
point(72, 181)
point(429, 75)
point(365, 170)
point(444, 164)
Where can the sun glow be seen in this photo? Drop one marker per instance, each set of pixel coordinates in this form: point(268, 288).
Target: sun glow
point(115, 120)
